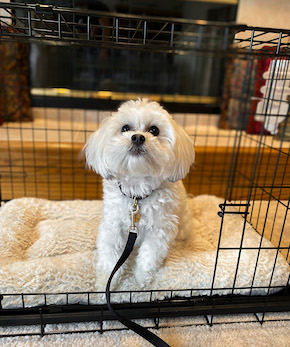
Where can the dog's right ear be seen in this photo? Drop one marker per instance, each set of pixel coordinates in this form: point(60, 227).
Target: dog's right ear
point(94, 151)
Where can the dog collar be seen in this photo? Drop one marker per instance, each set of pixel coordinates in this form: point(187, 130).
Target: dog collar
point(134, 196)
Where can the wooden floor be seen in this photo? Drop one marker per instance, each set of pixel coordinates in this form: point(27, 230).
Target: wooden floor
point(57, 171)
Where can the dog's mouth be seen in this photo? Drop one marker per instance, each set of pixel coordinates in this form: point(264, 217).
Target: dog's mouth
point(137, 151)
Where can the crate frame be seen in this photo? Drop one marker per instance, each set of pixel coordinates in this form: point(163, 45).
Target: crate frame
point(56, 20)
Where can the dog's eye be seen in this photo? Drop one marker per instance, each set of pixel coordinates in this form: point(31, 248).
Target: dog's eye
point(125, 128)
point(154, 130)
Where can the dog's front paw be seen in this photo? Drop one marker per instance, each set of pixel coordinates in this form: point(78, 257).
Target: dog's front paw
point(144, 279)
point(103, 277)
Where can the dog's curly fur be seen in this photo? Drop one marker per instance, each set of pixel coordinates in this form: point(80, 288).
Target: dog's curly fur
point(150, 167)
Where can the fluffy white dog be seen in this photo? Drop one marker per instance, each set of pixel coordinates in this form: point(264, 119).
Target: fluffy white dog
point(141, 152)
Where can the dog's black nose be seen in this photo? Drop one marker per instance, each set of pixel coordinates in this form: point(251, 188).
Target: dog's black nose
point(137, 139)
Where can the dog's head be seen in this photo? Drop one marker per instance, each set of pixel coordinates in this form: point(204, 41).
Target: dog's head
point(141, 139)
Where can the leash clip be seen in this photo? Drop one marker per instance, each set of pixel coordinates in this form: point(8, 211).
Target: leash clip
point(135, 216)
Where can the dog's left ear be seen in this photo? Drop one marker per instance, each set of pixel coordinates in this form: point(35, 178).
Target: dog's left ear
point(184, 154)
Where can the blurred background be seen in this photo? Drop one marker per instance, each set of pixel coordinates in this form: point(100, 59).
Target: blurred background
point(104, 69)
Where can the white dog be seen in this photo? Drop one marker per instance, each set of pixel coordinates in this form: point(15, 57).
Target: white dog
point(141, 152)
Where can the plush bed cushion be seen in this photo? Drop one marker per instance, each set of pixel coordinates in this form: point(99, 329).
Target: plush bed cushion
point(50, 247)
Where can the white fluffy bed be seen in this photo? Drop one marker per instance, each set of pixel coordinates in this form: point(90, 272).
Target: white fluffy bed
point(49, 247)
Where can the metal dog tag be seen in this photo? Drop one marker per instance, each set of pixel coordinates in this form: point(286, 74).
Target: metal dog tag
point(135, 215)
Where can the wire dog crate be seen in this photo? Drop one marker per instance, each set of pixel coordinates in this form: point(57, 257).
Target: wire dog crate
point(241, 154)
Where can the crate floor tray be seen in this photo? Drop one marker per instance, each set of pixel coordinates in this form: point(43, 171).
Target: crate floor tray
point(50, 247)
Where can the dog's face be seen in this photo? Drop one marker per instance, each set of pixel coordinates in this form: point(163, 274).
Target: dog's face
point(141, 139)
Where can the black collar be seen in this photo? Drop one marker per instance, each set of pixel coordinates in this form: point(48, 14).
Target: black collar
point(133, 196)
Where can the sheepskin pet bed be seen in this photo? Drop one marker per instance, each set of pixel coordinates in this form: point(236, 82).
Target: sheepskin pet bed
point(50, 247)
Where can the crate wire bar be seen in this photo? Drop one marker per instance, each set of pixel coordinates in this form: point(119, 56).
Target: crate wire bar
point(48, 22)
point(251, 172)
point(174, 306)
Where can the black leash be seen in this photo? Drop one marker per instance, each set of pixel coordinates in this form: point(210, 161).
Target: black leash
point(145, 333)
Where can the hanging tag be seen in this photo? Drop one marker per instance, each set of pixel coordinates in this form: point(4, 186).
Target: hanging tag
point(137, 216)
point(135, 213)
